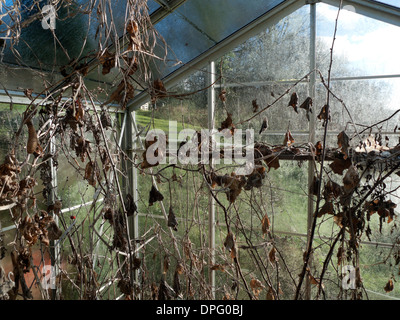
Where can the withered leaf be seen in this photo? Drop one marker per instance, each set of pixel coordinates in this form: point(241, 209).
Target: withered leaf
point(340, 255)
point(272, 256)
point(107, 60)
point(324, 114)
point(159, 89)
point(294, 99)
point(123, 93)
point(265, 224)
point(255, 105)
point(327, 208)
point(339, 165)
point(343, 143)
point(272, 162)
point(155, 196)
point(256, 286)
point(389, 286)
point(222, 95)
point(130, 205)
point(227, 123)
point(230, 244)
point(306, 105)
point(264, 125)
point(351, 179)
point(270, 294)
point(218, 267)
point(166, 264)
point(318, 148)
point(92, 173)
point(33, 146)
point(289, 140)
point(28, 93)
point(172, 222)
point(132, 27)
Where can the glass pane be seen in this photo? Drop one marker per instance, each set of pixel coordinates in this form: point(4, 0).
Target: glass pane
point(363, 46)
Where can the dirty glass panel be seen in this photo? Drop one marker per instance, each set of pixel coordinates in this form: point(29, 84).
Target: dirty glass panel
point(363, 46)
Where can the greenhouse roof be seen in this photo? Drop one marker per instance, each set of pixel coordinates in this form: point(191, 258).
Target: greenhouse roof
point(196, 31)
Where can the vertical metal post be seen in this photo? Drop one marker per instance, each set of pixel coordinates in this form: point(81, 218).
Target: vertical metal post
point(311, 137)
point(52, 196)
point(131, 184)
point(211, 201)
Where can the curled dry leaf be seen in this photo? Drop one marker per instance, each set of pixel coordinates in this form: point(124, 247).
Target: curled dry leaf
point(324, 114)
point(264, 125)
point(265, 224)
point(272, 256)
point(123, 93)
point(222, 95)
point(255, 105)
point(343, 143)
point(218, 267)
point(107, 60)
point(255, 179)
point(155, 196)
point(230, 244)
point(227, 123)
point(294, 99)
point(232, 183)
point(339, 165)
point(289, 140)
point(256, 286)
point(172, 222)
point(32, 146)
point(327, 208)
point(351, 179)
point(130, 205)
point(92, 173)
point(389, 286)
point(306, 105)
point(318, 148)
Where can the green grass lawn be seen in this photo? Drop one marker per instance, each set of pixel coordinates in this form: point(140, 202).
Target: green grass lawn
point(143, 118)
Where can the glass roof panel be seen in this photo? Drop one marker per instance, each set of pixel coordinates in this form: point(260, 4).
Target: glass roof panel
point(394, 3)
point(363, 46)
point(197, 25)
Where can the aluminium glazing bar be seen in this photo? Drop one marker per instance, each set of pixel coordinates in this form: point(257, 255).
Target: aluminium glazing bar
point(211, 210)
point(373, 9)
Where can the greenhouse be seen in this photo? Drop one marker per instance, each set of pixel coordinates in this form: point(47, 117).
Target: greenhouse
point(199, 150)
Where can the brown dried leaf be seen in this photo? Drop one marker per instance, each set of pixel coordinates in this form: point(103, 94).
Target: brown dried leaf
point(272, 256)
point(255, 105)
point(343, 143)
point(230, 244)
point(227, 123)
point(327, 208)
point(306, 105)
point(265, 224)
point(339, 165)
point(351, 179)
point(172, 222)
point(107, 60)
point(289, 140)
point(218, 267)
point(264, 125)
point(256, 286)
point(222, 95)
point(389, 286)
point(33, 146)
point(155, 196)
point(294, 99)
point(324, 113)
